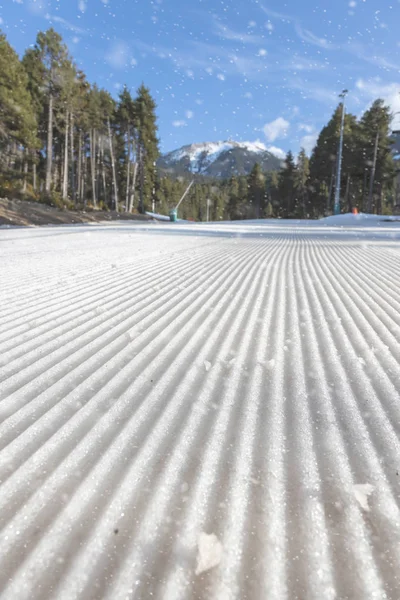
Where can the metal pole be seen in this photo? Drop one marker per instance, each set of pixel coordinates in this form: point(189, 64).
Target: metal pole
point(371, 183)
point(186, 191)
point(336, 209)
point(208, 209)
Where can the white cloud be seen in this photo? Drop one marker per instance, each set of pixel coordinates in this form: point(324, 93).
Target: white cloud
point(226, 33)
point(278, 152)
point(75, 40)
point(37, 7)
point(262, 52)
point(352, 4)
point(221, 77)
point(1, 21)
point(199, 102)
point(179, 123)
point(308, 142)
point(310, 38)
point(64, 23)
point(133, 62)
point(305, 127)
point(248, 95)
point(189, 114)
point(276, 129)
point(118, 55)
point(82, 5)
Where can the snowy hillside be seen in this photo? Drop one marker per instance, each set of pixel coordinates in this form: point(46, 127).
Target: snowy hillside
point(221, 159)
point(200, 411)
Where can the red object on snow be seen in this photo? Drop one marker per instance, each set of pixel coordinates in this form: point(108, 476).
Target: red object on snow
point(355, 211)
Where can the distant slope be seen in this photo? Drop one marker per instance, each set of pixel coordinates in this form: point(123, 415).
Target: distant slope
point(219, 159)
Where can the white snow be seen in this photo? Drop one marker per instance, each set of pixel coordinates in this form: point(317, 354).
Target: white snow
point(360, 219)
point(158, 380)
point(203, 155)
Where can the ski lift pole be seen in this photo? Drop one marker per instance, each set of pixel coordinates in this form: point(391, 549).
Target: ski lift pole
point(173, 214)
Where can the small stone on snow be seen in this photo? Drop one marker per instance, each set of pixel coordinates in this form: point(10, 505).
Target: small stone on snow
point(209, 552)
point(361, 492)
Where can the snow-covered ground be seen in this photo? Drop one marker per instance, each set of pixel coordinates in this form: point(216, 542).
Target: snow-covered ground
point(200, 411)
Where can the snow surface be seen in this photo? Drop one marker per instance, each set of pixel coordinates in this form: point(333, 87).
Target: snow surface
point(161, 380)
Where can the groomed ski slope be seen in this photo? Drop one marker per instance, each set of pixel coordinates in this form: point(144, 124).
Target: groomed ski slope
point(162, 383)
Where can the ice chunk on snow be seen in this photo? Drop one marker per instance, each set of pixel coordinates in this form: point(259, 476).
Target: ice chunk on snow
point(361, 492)
point(209, 552)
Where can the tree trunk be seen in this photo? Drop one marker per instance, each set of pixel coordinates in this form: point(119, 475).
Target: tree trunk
point(373, 169)
point(49, 157)
point(79, 174)
point(73, 191)
point(65, 179)
point(97, 169)
point(103, 173)
point(347, 199)
point(113, 166)
point(332, 183)
point(34, 173)
point(93, 164)
point(132, 195)
point(141, 179)
point(379, 200)
point(128, 171)
point(84, 182)
point(25, 175)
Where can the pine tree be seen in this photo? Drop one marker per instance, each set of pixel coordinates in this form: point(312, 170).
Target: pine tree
point(273, 198)
point(53, 56)
point(17, 120)
point(376, 151)
point(147, 146)
point(301, 183)
point(287, 187)
point(127, 129)
point(257, 191)
point(18, 124)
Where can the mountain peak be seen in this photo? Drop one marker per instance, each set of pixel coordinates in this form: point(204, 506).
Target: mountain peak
point(220, 159)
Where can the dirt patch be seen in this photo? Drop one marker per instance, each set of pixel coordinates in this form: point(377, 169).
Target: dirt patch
point(24, 213)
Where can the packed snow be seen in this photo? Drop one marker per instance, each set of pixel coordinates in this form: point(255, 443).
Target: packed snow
point(219, 399)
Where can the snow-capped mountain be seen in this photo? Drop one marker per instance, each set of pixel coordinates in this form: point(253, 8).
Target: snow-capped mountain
point(220, 159)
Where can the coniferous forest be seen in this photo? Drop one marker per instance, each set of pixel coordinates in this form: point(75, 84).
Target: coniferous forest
point(68, 143)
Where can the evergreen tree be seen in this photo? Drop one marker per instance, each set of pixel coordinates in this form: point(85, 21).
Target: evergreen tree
point(376, 146)
point(18, 124)
point(287, 187)
point(147, 146)
point(54, 65)
point(17, 118)
point(257, 191)
point(301, 183)
point(127, 129)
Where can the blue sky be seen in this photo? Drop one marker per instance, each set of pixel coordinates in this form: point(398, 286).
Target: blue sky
point(235, 69)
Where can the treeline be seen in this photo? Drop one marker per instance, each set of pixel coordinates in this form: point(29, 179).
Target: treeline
point(305, 188)
point(69, 143)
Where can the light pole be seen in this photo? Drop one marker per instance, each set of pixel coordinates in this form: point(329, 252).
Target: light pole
point(336, 208)
point(208, 209)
